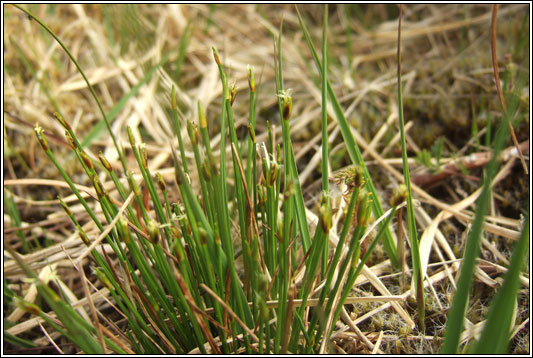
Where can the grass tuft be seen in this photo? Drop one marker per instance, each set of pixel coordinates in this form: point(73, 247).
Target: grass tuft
point(259, 208)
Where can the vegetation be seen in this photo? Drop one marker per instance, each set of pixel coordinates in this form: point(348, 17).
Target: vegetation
point(184, 202)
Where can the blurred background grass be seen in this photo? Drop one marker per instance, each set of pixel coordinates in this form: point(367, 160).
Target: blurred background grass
point(449, 94)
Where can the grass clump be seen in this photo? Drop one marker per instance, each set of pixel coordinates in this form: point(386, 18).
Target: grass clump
point(218, 252)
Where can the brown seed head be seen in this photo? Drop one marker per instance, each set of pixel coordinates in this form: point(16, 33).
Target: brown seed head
point(105, 162)
point(65, 207)
point(40, 136)
point(324, 214)
point(161, 182)
point(83, 237)
point(233, 92)
point(98, 186)
point(399, 195)
point(87, 160)
point(286, 104)
point(153, 232)
point(29, 307)
point(251, 132)
point(62, 121)
point(70, 140)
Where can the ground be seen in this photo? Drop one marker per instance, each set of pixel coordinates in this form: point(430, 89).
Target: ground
point(451, 111)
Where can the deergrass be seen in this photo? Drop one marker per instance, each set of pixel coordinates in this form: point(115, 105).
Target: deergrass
point(230, 259)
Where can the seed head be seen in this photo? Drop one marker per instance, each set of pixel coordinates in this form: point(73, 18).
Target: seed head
point(29, 307)
point(124, 230)
point(144, 155)
point(98, 186)
point(286, 104)
point(88, 162)
point(215, 54)
point(70, 140)
point(352, 176)
point(62, 121)
point(161, 182)
point(65, 206)
point(102, 277)
point(262, 284)
point(203, 235)
point(83, 237)
point(251, 132)
point(105, 162)
point(192, 129)
point(201, 116)
point(273, 174)
point(232, 92)
point(324, 214)
point(133, 184)
point(206, 171)
point(251, 79)
point(399, 195)
point(40, 136)
point(175, 232)
point(290, 190)
point(363, 209)
point(153, 232)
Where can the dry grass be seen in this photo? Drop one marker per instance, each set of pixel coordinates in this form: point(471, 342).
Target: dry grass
point(448, 85)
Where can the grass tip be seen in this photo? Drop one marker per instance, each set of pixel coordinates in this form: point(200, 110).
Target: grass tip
point(130, 136)
point(251, 78)
point(39, 131)
point(105, 162)
point(62, 121)
point(201, 116)
point(232, 92)
point(215, 54)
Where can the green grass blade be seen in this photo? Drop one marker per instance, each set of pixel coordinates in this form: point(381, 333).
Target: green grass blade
point(221, 201)
point(11, 209)
point(325, 178)
point(18, 341)
point(79, 330)
point(413, 237)
point(352, 147)
point(326, 213)
point(285, 107)
point(460, 298)
point(91, 89)
point(177, 128)
point(494, 339)
point(354, 272)
point(290, 164)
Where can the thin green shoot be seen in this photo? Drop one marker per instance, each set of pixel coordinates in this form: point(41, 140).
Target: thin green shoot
point(411, 225)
